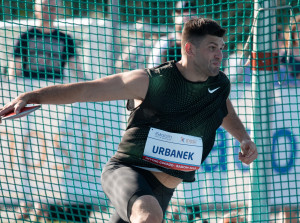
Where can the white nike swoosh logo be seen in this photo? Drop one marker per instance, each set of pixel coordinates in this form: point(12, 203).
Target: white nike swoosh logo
point(213, 90)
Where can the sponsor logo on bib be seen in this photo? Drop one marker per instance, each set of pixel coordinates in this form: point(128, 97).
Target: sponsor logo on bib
point(173, 150)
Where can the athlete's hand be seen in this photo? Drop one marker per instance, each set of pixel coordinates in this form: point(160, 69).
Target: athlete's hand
point(15, 105)
point(248, 152)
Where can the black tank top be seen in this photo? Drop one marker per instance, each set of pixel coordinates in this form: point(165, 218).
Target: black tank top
point(177, 105)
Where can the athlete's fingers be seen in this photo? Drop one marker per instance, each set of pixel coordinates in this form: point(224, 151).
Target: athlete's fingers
point(19, 106)
point(16, 105)
point(6, 109)
point(249, 159)
point(248, 148)
point(248, 152)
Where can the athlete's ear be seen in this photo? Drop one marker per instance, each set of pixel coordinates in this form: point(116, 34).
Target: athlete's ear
point(189, 49)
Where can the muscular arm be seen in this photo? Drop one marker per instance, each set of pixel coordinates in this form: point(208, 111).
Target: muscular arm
point(129, 85)
point(233, 124)
point(235, 127)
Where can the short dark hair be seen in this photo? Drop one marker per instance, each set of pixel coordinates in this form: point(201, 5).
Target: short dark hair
point(200, 27)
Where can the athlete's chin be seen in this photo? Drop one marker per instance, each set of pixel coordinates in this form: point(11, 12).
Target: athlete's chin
point(215, 71)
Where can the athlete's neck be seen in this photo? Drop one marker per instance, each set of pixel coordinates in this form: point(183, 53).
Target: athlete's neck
point(190, 73)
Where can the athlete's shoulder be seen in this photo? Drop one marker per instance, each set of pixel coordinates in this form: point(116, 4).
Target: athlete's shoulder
point(223, 76)
point(162, 68)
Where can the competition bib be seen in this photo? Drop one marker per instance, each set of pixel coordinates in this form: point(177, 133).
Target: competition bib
point(173, 150)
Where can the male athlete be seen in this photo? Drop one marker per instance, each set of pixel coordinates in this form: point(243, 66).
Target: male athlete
point(176, 109)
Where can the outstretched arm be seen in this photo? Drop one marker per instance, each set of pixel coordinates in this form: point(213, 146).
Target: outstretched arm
point(129, 85)
point(235, 127)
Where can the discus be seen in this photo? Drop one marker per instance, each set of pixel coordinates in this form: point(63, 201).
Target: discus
point(25, 111)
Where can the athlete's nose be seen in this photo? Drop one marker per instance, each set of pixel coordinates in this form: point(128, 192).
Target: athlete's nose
point(219, 55)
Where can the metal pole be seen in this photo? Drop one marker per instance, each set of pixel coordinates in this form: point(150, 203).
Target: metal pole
point(263, 64)
point(115, 17)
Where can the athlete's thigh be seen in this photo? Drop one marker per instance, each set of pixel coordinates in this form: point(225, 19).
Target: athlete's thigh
point(161, 193)
point(123, 185)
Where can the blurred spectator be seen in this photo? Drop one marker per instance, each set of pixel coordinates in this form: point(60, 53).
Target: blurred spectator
point(43, 51)
point(135, 55)
point(169, 47)
point(239, 69)
point(233, 217)
point(182, 213)
point(290, 215)
point(179, 213)
point(288, 49)
point(280, 43)
point(292, 54)
point(281, 77)
point(236, 67)
point(74, 212)
point(38, 211)
point(198, 220)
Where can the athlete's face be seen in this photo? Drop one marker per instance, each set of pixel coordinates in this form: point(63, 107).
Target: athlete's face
point(208, 56)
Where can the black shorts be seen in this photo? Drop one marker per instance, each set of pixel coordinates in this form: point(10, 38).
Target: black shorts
point(123, 184)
